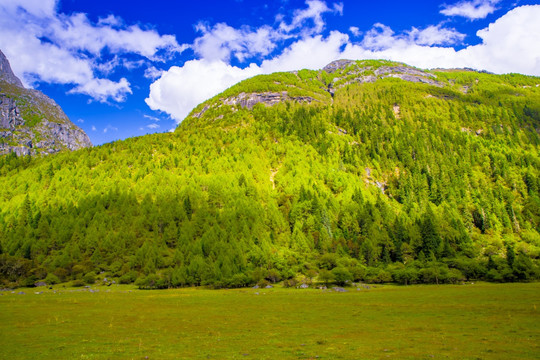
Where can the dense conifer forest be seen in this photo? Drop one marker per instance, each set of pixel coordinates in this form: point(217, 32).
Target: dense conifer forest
point(344, 180)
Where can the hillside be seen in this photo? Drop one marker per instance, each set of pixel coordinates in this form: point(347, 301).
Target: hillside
point(32, 123)
point(366, 171)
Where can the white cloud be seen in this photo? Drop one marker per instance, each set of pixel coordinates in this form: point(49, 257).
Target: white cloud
point(182, 88)
point(109, 128)
point(44, 45)
point(355, 30)
point(104, 89)
point(476, 9)
point(153, 118)
point(153, 126)
point(436, 35)
point(80, 121)
point(94, 128)
point(312, 14)
point(223, 41)
point(152, 73)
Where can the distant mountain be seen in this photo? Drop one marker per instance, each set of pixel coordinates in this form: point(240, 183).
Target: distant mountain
point(30, 122)
point(363, 171)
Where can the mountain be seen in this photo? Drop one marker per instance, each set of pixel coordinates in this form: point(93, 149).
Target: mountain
point(30, 122)
point(366, 170)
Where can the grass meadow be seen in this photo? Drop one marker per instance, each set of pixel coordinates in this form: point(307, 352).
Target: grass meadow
point(475, 321)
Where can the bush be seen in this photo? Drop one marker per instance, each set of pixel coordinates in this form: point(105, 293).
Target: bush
point(128, 278)
point(238, 280)
point(290, 283)
point(455, 276)
point(378, 276)
point(52, 279)
point(77, 283)
point(326, 276)
point(328, 261)
point(29, 281)
point(341, 275)
point(494, 275)
point(358, 272)
point(406, 276)
point(90, 278)
point(273, 275)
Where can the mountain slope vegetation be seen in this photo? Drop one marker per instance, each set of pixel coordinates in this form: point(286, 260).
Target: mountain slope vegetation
point(364, 171)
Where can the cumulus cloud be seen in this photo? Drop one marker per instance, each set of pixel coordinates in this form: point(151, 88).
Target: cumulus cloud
point(45, 45)
point(153, 126)
point(104, 89)
point(473, 10)
point(152, 73)
point(355, 30)
point(313, 14)
point(183, 87)
point(222, 41)
point(436, 35)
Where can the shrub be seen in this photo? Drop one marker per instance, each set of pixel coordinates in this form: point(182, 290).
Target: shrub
point(128, 278)
point(341, 275)
point(273, 275)
point(326, 276)
point(406, 276)
point(238, 280)
point(52, 279)
point(90, 278)
point(328, 261)
point(77, 283)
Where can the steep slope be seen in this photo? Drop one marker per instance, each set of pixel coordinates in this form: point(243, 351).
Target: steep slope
point(30, 122)
point(368, 170)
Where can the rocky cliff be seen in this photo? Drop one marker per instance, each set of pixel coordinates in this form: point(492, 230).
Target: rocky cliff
point(32, 123)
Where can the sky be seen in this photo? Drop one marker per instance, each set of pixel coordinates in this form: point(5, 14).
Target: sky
point(127, 68)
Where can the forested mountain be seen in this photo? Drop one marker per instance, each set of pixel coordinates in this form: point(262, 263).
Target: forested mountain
point(31, 123)
point(369, 170)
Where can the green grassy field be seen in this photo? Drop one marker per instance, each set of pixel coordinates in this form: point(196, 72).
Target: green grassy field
point(479, 321)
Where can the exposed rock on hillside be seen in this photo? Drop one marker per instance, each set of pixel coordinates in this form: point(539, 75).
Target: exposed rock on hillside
point(5, 72)
point(249, 100)
point(358, 72)
point(267, 98)
point(30, 122)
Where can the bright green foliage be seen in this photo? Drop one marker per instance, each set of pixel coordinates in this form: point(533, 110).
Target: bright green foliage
point(389, 181)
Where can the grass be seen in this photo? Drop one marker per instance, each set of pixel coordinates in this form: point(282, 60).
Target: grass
point(480, 321)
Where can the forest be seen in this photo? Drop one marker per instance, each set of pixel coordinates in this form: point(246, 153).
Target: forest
point(385, 181)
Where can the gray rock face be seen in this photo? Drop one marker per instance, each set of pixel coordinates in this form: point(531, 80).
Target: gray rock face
point(249, 100)
point(338, 65)
point(267, 98)
point(5, 72)
point(356, 73)
point(30, 122)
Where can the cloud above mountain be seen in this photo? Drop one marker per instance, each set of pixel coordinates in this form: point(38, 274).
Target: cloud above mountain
point(44, 45)
point(181, 88)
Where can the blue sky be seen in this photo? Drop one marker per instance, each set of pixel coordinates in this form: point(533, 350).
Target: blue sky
point(128, 68)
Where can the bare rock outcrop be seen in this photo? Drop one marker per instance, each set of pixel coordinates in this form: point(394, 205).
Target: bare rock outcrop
point(249, 100)
point(359, 73)
point(32, 123)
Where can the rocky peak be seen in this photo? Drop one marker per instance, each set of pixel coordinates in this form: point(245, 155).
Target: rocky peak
point(6, 73)
point(338, 65)
point(31, 123)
